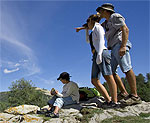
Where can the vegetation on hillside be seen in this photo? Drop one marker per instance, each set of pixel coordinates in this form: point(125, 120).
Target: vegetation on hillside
point(22, 92)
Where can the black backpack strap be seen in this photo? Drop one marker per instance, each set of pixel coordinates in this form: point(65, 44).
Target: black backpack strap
point(92, 91)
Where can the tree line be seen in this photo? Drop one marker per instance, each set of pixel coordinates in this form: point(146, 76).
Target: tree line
point(143, 86)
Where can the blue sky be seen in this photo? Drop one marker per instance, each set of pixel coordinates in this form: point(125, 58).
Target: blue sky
point(38, 40)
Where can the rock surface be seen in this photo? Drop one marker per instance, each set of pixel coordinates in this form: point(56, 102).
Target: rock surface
point(23, 109)
point(71, 113)
point(46, 92)
point(122, 112)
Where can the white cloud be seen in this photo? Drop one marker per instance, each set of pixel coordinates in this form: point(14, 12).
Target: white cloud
point(29, 67)
point(10, 64)
point(10, 71)
point(32, 69)
point(17, 64)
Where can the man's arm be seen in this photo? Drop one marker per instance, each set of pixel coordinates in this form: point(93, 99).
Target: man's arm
point(125, 34)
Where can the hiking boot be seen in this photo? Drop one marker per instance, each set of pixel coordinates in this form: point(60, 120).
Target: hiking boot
point(131, 100)
point(52, 115)
point(111, 104)
point(121, 96)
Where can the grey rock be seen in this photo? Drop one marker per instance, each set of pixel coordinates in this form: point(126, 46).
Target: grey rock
point(32, 119)
point(46, 92)
point(135, 110)
point(5, 116)
point(22, 109)
point(16, 119)
point(54, 120)
point(71, 113)
point(26, 119)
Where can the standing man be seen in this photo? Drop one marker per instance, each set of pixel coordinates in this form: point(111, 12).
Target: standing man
point(117, 41)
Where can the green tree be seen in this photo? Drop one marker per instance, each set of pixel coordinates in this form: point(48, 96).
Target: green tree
point(23, 92)
point(143, 88)
point(106, 86)
point(148, 77)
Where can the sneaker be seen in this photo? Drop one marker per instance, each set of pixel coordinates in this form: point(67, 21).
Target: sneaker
point(52, 115)
point(105, 104)
point(121, 96)
point(47, 114)
point(42, 111)
point(131, 100)
point(111, 104)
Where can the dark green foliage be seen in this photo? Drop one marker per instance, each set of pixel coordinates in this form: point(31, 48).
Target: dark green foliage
point(143, 86)
point(4, 101)
point(148, 77)
point(106, 86)
point(88, 113)
point(22, 92)
point(145, 115)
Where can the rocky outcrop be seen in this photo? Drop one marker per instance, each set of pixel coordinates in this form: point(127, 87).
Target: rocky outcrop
point(6, 116)
point(122, 112)
point(26, 119)
point(23, 109)
point(71, 113)
point(46, 92)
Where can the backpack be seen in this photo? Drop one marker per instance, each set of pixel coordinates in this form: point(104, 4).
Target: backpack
point(88, 93)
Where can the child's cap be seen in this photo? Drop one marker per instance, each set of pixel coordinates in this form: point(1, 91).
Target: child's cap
point(64, 75)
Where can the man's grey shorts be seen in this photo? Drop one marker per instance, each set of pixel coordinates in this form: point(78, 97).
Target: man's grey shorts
point(124, 62)
point(104, 67)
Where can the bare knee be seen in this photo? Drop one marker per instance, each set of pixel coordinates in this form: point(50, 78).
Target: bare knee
point(129, 72)
point(92, 81)
point(95, 81)
point(114, 74)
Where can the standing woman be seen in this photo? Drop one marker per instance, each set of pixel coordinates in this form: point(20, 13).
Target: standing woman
point(101, 61)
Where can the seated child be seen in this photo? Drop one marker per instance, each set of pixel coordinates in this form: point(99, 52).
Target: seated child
point(69, 95)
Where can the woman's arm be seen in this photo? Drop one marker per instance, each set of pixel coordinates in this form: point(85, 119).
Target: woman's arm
point(79, 28)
